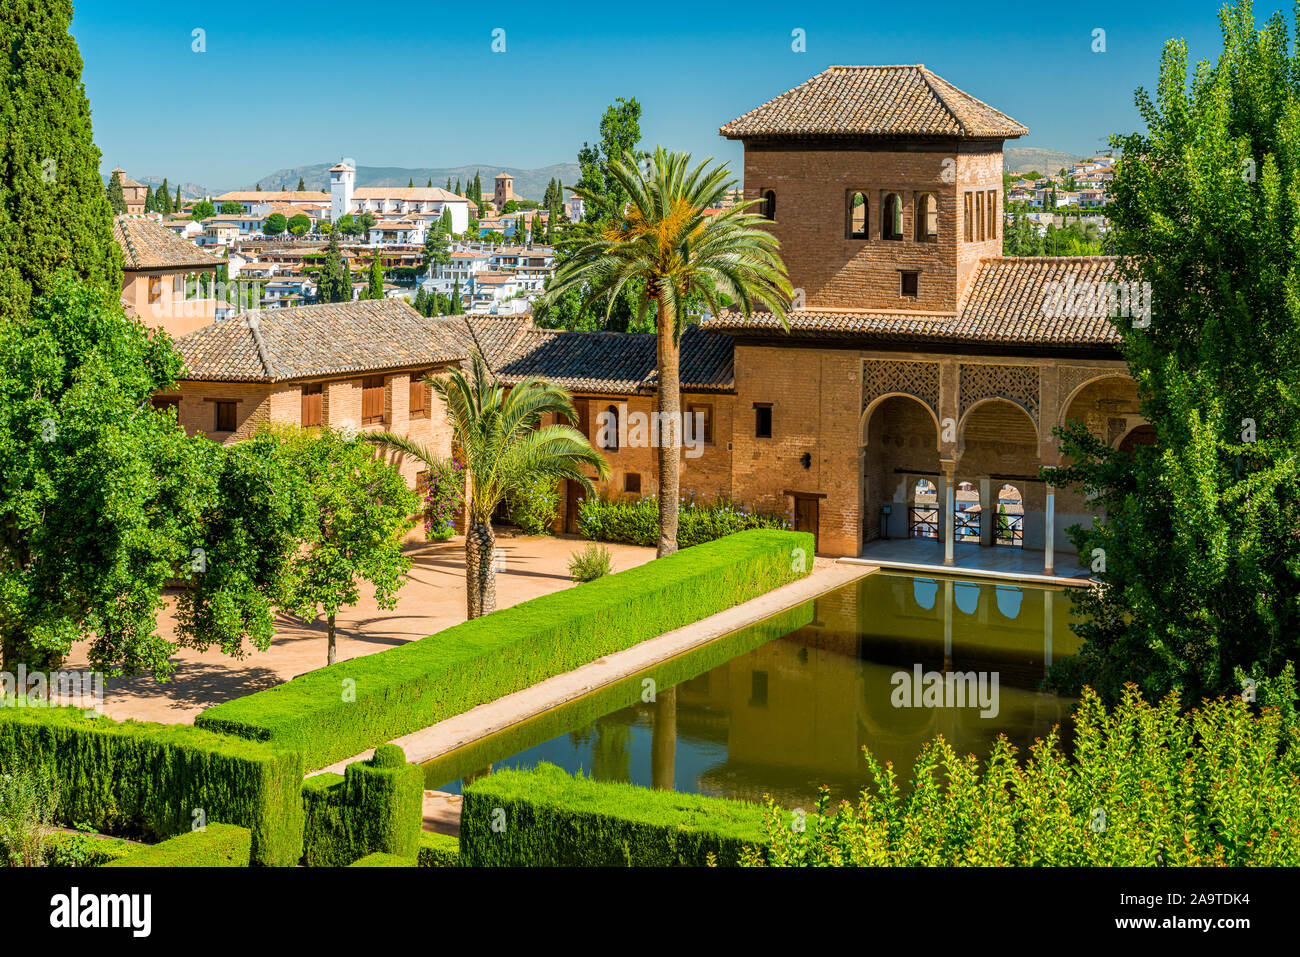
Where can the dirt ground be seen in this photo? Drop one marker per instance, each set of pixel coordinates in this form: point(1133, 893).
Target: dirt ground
point(432, 599)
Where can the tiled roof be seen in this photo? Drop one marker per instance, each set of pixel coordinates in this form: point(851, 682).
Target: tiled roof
point(272, 196)
point(605, 363)
point(148, 244)
point(411, 194)
point(874, 101)
point(314, 341)
point(1010, 301)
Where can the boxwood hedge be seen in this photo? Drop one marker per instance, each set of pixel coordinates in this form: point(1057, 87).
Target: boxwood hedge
point(439, 850)
point(147, 779)
point(340, 710)
point(543, 817)
point(380, 859)
point(374, 806)
point(217, 845)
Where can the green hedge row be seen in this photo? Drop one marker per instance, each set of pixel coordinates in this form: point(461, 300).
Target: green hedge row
point(545, 818)
point(152, 780)
point(439, 850)
point(375, 806)
point(379, 859)
point(217, 845)
point(637, 523)
point(343, 709)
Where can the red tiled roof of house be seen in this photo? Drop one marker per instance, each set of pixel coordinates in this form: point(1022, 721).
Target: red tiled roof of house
point(874, 101)
point(316, 341)
point(1009, 301)
point(148, 244)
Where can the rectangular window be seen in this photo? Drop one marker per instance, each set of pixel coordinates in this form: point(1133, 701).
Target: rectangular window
point(911, 284)
point(155, 288)
point(632, 482)
point(762, 420)
point(225, 416)
point(311, 405)
point(700, 417)
point(992, 216)
point(419, 396)
point(372, 399)
point(979, 217)
point(968, 217)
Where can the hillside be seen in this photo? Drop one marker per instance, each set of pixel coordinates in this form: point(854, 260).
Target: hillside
point(1022, 159)
point(529, 183)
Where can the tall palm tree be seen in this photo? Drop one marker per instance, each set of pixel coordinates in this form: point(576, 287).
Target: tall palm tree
point(505, 449)
point(666, 250)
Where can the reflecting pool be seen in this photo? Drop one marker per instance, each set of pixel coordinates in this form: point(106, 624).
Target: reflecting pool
point(786, 705)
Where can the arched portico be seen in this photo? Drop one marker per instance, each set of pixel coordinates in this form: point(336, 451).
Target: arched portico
point(900, 446)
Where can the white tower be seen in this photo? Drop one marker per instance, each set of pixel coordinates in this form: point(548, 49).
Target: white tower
point(343, 179)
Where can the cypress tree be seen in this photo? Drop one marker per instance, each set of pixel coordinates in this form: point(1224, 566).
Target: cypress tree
point(376, 290)
point(444, 223)
point(410, 183)
point(429, 185)
point(163, 199)
point(176, 206)
point(420, 305)
point(449, 184)
point(257, 187)
point(455, 299)
point(116, 198)
point(302, 187)
point(335, 281)
point(149, 206)
point(457, 189)
point(54, 212)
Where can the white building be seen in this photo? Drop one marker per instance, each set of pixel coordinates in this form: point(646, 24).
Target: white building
point(405, 202)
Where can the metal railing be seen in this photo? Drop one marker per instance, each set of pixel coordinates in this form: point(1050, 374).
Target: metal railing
point(966, 526)
point(923, 521)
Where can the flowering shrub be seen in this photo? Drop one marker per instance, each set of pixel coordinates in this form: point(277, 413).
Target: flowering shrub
point(443, 500)
point(637, 523)
point(1144, 786)
point(536, 506)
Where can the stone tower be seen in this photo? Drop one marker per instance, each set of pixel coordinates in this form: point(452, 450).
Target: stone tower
point(343, 179)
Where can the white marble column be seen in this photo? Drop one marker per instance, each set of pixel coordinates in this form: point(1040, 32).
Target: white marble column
point(1049, 533)
point(949, 512)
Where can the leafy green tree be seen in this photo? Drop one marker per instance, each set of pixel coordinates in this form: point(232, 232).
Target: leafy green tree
point(375, 290)
point(299, 224)
point(365, 222)
point(506, 449)
point(106, 501)
point(620, 133)
point(335, 281)
point(360, 512)
point(54, 212)
point(1198, 551)
point(347, 225)
point(436, 251)
point(231, 208)
point(662, 246)
point(203, 209)
point(275, 224)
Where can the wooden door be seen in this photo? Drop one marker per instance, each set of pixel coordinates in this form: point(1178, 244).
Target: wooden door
point(806, 516)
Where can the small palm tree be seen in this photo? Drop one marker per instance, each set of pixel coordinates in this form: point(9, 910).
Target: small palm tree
point(505, 449)
point(666, 249)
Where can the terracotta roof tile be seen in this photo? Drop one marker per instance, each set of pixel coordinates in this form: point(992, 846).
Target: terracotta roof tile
point(314, 341)
point(148, 244)
point(1010, 300)
point(874, 101)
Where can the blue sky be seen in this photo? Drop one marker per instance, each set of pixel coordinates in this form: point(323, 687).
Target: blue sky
point(416, 84)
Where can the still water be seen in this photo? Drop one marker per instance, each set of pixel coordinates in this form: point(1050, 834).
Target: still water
point(787, 705)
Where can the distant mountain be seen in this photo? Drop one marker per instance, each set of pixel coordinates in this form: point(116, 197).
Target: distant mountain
point(529, 183)
point(1022, 159)
point(188, 190)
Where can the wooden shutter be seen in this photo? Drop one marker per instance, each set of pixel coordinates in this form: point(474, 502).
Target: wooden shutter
point(372, 399)
point(311, 406)
point(419, 390)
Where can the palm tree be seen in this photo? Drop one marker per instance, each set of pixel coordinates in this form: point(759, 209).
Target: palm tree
point(666, 250)
point(505, 449)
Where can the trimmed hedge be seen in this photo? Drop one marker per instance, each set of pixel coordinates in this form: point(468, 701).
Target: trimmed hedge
point(637, 523)
point(148, 779)
point(423, 682)
point(554, 820)
point(379, 859)
point(439, 850)
point(376, 805)
point(218, 845)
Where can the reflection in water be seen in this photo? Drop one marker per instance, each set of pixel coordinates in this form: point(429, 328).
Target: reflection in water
point(795, 712)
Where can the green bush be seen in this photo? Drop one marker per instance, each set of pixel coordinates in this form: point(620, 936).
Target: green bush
point(535, 508)
point(340, 710)
point(379, 859)
point(545, 818)
point(637, 523)
point(28, 800)
point(591, 563)
point(1145, 786)
point(85, 850)
point(439, 850)
point(217, 845)
point(141, 778)
point(376, 805)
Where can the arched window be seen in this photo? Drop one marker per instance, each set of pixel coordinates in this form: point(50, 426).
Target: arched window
point(891, 222)
point(927, 218)
point(966, 520)
point(610, 432)
point(923, 513)
point(857, 216)
point(1010, 511)
point(769, 204)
